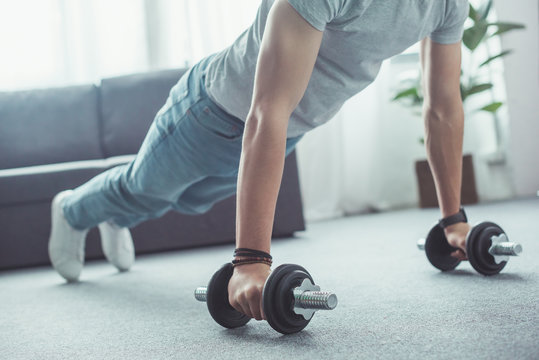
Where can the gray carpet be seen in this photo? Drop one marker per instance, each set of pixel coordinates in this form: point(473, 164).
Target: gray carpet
point(392, 303)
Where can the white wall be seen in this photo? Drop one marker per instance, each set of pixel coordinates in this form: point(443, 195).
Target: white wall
point(522, 82)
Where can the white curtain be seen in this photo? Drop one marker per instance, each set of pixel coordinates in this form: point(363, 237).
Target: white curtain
point(360, 161)
point(58, 42)
point(47, 43)
point(363, 160)
point(184, 31)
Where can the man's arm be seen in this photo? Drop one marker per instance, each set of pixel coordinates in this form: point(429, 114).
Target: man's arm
point(287, 56)
point(444, 129)
point(286, 60)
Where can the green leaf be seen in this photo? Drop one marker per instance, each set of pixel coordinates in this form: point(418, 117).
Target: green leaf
point(504, 27)
point(492, 108)
point(411, 92)
point(484, 10)
point(503, 53)
point(473, 35)
point(477, 89)
point(473, 14)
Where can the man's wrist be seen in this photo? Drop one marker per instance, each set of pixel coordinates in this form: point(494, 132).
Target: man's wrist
point(247, 256)
point(459, 217)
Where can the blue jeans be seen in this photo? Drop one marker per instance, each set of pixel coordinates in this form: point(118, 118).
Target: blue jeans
point(188, 162)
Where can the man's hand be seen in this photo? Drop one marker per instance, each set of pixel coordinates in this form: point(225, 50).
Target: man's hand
point(245, 289)
point(456, 237)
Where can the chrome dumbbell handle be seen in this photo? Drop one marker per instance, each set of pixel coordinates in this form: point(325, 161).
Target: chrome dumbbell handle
point(307, 298)
point(506, 248)
point(502, 246)
point(200, 293)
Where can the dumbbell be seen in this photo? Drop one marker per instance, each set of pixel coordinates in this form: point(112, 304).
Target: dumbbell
point(487, 248)
point(289, 299)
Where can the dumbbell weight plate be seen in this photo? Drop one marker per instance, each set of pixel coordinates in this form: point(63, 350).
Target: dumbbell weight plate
point(217, 300)
point(278, 298)
point(477, 244)
point(439, 251)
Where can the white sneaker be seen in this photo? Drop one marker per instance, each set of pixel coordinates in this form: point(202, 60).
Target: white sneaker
point(117, 245)
point(66, 244)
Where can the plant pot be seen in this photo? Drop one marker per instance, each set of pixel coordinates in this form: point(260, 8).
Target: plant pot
point(427, 189)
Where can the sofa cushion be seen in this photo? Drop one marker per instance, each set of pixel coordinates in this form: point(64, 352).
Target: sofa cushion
point(41, 183)
point(49, 126)
point(128, 107)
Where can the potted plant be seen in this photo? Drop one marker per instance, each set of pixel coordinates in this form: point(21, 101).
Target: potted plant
point(472, 82)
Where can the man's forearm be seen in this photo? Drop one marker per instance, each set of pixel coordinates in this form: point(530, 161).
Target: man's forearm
point(259, 180)
point(443, 140)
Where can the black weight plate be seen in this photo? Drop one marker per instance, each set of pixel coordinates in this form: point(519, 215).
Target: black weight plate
point(477, 245)
point(278, 298)
point(439, 251)
point(217, 300)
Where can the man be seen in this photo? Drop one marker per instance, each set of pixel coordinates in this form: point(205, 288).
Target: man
point(230, 121)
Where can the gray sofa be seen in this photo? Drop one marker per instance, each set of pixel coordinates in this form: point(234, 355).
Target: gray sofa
point(57, 139)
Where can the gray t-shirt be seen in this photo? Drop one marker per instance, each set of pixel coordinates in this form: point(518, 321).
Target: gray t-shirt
point(358, 36)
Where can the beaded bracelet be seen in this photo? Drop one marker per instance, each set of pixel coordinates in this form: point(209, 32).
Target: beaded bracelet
point(251, 252)
point(251, 256)
point(250, 261)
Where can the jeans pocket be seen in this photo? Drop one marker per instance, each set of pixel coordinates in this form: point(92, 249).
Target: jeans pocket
point(216, 121)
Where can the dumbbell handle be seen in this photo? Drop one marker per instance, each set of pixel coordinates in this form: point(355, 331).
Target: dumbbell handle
point(505, 248)
point(315, 300)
